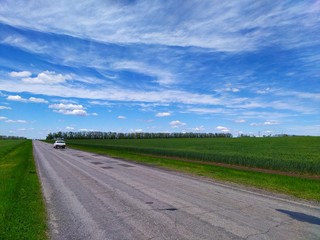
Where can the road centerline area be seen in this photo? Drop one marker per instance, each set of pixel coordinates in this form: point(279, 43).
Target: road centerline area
point(117, 200)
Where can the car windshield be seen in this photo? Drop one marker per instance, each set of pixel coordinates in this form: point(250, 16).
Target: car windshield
point(60, 141)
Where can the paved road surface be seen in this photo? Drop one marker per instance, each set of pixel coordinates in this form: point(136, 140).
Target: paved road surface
point(94, 197)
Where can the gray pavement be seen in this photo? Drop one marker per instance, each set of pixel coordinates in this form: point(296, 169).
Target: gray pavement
point(95, 197)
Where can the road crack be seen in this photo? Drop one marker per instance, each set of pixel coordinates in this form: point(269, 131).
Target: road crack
point(268, 230)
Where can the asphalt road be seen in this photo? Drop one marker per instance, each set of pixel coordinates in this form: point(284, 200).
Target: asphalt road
point(95, 197)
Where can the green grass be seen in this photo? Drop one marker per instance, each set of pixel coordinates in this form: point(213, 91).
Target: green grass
point(22, 211)
point(300, 187)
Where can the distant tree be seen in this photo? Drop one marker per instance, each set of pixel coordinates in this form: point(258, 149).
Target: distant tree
point(134, 135)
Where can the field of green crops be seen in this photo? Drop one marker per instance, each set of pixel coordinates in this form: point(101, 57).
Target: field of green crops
point(298, 155)
point(289, 154)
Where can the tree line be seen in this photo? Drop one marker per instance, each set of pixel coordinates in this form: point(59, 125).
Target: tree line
point(135, 135)
point(11, 137)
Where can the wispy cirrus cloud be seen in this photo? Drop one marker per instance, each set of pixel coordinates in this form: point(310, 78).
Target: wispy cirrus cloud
point(5, 107)
point(161, 76)
point(112, 93)
point(315, 96)
point(5, 119)
point(244, 24)
point(15, 121)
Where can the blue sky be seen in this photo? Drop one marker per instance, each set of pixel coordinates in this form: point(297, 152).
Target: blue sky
point(250, 67)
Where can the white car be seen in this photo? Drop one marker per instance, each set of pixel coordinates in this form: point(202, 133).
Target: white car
point(59, 144)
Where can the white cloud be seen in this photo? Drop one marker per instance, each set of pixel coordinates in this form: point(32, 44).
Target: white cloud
point(234, 90)
point(16, 98)
point(15, 121)
point(223, 129)
point(200, 128)
point(271, 122)
point(20, 74)
point(31, 99)
point(136, 130)
point(94, 114)
point(3, 118)
point(37, 100)
point(66, 106)
point(229, 89)
point(101, 103)
point(177, 124)
point(207, 110)
point(69, 109)
point(47, 77)
point(163, 114)
point(264, 91)
point(122, 117)
point(76, 112)
point(5, 107)
point(240, 121)
point(302, 95)
point(69, 128)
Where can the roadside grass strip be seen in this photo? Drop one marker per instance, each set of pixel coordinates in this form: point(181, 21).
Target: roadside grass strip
point(297, 186)
point(22, 210)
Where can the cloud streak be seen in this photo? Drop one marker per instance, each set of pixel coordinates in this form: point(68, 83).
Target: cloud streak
point(110, 93)
point(153, 23)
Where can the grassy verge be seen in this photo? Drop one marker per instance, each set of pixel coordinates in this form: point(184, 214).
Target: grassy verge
point(22, 211)
point(304, 188)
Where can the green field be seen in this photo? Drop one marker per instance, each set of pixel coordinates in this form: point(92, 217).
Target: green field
point(22, 211)
point(290, 154)
point(296, 156)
